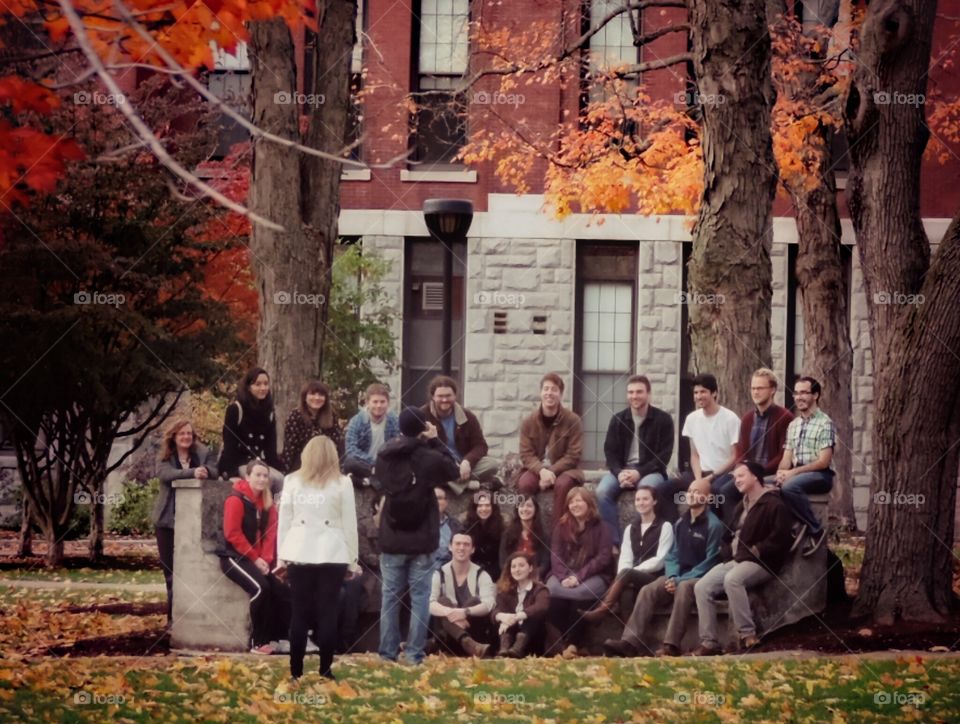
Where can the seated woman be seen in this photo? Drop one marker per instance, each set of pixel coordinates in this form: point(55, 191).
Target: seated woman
point(315, 416)
point(181, 457)
point(250, 429)
point(525, 535)
point(646, 541)
point(250, 540)
point(522, 605)
point(580, 556)
point(484, 524)
point(319, 543)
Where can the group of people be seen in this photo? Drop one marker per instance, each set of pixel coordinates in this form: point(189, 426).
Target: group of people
point(479, 585)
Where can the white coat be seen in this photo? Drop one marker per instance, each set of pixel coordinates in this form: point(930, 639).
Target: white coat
point(317, 524)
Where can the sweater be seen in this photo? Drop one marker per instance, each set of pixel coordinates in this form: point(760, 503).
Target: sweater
point(656, 441)
point(696, 546)
point(478, 583)
point(297, 432)
point(776, 435)
point(585, 554)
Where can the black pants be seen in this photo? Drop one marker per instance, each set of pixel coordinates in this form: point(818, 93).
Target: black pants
point(269, 599)
point(565, 616)
point(165, 549)
point(358, 470)
point(534, 628)
point(316, 590)
point(352, 596)
point(448, 634)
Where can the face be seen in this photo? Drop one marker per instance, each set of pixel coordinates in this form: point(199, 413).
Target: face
point(184, 437)
point(520, 569)
point(461, 547)
point(803, 396)
point(484, 507)
point(702, 397)
point(761, 391)
point(578, 507)
point(377, 406)
point(260, 387)
point(443, 399)
point(316, 400)
point(441, 499)
point(743, 478)
point(259, 478)
point(550, 395)
point(643, 501)
point(527, 510)
point(638, 396)
point(697, 495)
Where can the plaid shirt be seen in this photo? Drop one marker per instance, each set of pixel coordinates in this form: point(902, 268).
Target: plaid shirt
point(806, 438)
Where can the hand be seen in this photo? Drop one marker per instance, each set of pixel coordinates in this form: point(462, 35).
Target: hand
point(353, 571)
point(201, 473)
point(465, 470)
point(670, 585)
point(570, 582)
point(458, 616)
point(784, 475)
point(429, 432)
point(628, 478)
point(262, 566)
point(547, 479)
point(755, 551)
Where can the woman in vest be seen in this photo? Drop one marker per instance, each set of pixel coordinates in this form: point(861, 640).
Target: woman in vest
point(484, 524)
point(181, 458)
point(522, 605)
point(315, 416)
point(250, 429)
point(646, 541)
point(318, 545)
point(250, 538)
point(525, 534)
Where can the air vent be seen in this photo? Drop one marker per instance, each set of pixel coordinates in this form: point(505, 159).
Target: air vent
point(499, 322)
point(433, 297)
point(540, 324)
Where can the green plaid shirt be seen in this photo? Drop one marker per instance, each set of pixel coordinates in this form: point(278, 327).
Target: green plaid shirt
point(806, 438)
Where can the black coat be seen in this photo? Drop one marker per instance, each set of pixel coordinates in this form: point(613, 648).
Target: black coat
point(656, 441)
point(432, 465)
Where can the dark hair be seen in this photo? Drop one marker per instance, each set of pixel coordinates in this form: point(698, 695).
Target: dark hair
point(326, 416)
point(515, 528)
point(707, 381)
point(243, 391)
point(376, 388)
point(554, 378)
point(652, 490)
point(639, 379)
point(443, 381)
point(814, 385)
point(476, 527)
point(755, 468)
point(505, 582)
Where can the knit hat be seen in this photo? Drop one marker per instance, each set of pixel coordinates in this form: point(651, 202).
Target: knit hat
point(755, 468)
point(413, 421)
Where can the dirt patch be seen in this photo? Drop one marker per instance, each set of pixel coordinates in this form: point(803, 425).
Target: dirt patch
point(147, 643)
point(121, 609)
point(119, 552)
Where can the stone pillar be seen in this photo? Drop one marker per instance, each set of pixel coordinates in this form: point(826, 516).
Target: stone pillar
point(209, 610)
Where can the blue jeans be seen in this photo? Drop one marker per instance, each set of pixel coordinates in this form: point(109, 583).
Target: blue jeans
point(796, 490)
point(608, 490)
point(400, 572)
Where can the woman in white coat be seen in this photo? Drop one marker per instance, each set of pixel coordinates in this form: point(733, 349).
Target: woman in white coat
point(318, 545)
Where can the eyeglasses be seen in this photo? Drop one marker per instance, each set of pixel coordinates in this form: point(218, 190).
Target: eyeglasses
point(798, 393)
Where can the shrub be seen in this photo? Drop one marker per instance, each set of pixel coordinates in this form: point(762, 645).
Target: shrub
point(131, 516)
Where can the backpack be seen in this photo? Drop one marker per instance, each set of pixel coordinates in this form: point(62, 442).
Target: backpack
point(405, 510)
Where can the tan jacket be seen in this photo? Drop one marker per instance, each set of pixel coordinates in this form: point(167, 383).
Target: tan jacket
point(562, 443)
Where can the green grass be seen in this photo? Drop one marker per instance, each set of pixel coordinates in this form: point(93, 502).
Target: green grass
point(251, 689)
point(85, 575)
point(11, 595)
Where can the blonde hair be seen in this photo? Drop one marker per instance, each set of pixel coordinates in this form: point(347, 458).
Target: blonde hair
point(168, 447)
point(319, 463)
point(769, 374)
point(267, 492)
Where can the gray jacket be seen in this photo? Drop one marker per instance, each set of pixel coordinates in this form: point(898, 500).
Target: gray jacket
point(164, 509)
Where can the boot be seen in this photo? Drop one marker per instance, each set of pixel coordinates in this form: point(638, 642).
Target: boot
point(506, 641)
point(609, 604)
point(474, 648)
point(554, 642)
point(519, 648)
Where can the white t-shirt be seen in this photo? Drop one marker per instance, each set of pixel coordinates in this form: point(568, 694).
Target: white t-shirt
point(377, 432)
point(713, 436)
point(634, 457)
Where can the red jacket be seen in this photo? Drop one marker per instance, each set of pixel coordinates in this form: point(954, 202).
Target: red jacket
point(243, 527)
point(775, 437)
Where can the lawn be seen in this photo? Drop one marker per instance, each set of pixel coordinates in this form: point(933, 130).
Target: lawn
point(85, 575)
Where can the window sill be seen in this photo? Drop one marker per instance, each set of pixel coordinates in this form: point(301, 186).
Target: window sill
point(452, 176)
point(355, 174)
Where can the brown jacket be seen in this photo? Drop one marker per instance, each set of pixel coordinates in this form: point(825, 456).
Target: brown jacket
point(562, 442)
point(467, 434)
point(535, 603)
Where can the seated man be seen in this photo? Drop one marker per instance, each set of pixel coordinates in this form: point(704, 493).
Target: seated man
point(551, 441)
point(646, 542)
point(637, 448)
point(695, 550)
point(461, 599)
point(448, 527)
point(459, 429)
point(756, 552)
point(807, 457)
point(367, 432)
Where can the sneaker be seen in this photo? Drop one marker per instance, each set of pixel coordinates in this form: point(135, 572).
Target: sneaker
point(312, 648)
point(798, 536)
point(281, 647)
point(264, 650)
point(814, 542)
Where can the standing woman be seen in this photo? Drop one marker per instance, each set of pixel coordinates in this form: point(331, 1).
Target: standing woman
point(319, 545)
point(250, 428)
point(485, 525)
point(522, 605)
point(315, 416)
point(181, 458)
point(581, 552)
point(525, 535)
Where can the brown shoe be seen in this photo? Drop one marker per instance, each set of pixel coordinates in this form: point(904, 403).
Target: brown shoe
point(620, 648)
point(474, 648)
point(704, 650)
point(519, 648)
point(748, 642)
point(506, 641)
point(597, 614)
point(668, 650)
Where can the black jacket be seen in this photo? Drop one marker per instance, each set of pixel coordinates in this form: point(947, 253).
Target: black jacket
point(656, 441)
point(767, 527)
point(432, 465)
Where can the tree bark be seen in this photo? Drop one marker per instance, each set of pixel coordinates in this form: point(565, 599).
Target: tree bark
point(95, 541)
point(292, 267)
point(25, 539)
point(730, 276)
point(914, 328)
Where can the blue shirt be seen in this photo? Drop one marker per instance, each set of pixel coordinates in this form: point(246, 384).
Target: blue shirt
point(449, 426)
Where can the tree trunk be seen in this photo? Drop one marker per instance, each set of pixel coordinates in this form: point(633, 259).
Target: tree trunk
point(730, 276)
point(95, 540)
point(914, 328)
point(302, 193)
point(25, 539)
point(54, 555)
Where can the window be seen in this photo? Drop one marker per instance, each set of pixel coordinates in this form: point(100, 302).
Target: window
point(355, 112)
point(442, 41)
point(612, 46)
point(230, 82)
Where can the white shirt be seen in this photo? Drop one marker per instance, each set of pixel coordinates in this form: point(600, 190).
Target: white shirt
point(714, 436)
point(634, 457)
point(655, 562)
point(317, 524)
point(377, 431)
point(522, 592)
